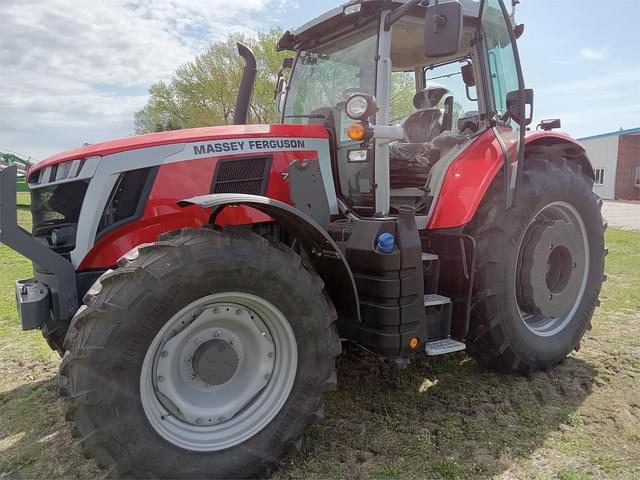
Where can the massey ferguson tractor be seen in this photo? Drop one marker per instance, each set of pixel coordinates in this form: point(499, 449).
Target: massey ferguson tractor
point(200, 283)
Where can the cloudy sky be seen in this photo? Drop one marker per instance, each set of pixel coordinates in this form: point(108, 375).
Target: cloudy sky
point(73, 71)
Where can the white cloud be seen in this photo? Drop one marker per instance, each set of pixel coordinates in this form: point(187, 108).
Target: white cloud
point(67, 65)
point(594, 54)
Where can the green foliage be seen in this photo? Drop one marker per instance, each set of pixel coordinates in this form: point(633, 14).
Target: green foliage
point(203, 91)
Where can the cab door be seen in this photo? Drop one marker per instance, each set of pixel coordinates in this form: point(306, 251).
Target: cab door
point(504, 85)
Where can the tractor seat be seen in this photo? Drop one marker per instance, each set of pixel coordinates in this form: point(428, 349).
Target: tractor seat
point(425, 123)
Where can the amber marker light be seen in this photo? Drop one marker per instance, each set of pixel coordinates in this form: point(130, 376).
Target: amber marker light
point(413, 343)
point(356, 132)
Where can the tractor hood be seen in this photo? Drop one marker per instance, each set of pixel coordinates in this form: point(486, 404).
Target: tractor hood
point(183, 136)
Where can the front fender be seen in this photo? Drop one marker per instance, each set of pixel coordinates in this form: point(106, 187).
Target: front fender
point(326, 256)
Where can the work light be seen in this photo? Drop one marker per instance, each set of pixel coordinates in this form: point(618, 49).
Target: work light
point(360, 106)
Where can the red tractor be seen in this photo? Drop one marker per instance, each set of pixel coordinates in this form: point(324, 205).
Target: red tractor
point(199, 282)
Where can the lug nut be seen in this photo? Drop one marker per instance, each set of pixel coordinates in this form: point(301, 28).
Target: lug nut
point(188, 359)
point(270, 354)
point(198, 421)
point(551, 246)
point(267, 376)
point(164, 354)
point(221, 419)
point(197, 341)
point(239, 311)
point(160, 379)
point(550, 296)
point(216, 334)
point(192, 376)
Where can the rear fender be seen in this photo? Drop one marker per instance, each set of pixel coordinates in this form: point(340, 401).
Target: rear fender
point(328, 260)
point(559, 145)
point(470, 175)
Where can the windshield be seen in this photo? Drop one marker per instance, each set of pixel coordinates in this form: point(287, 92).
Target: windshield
point(322, 81)
point(328, 75)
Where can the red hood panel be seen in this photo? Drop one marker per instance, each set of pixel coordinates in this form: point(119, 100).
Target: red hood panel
point(184, 136)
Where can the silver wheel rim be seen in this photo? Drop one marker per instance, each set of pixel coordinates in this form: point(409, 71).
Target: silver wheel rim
point(549, 325)
point(218, 372)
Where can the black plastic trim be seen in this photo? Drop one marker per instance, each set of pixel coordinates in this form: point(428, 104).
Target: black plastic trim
point(268, 160)
point(142, 202)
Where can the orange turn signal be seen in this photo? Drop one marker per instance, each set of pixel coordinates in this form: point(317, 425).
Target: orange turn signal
point(356, 131)
point(413, 343)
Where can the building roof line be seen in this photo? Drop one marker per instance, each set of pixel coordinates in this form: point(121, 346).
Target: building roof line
point(629, 131)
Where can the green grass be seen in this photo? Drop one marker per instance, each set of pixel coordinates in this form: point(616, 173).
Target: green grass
point(441, 418)
point(23, 199)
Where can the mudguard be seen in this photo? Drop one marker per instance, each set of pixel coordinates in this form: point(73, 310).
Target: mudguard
point(326, 256)
point(470, 175)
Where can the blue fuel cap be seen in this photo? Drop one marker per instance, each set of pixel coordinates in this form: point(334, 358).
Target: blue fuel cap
point(386, 242)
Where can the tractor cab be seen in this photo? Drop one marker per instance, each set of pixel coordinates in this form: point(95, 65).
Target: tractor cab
point(440, 74)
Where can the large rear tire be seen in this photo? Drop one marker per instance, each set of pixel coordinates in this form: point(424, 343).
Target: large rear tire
point(205, 355)
point(540, 268)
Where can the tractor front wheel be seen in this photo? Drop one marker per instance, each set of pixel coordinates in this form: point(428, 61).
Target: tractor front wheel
point(539, 270)
point(205, 355)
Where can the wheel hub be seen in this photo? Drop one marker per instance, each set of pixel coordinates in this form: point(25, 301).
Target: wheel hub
point(552, 268)
point(215, 362)
point(204, 375)
point(218, 371)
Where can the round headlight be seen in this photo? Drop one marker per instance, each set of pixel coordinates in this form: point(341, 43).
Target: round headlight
point(359, 107)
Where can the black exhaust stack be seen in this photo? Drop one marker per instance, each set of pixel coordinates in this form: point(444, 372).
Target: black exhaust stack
point(243, 101)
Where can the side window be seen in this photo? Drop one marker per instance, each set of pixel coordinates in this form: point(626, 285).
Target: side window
point(403, 89)
point(599, 172)
point(449, 76)
point(637, 176)
point(500, 55)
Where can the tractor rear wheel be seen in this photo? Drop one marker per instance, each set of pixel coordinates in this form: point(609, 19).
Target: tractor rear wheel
point(205, 355)
point(540, 268)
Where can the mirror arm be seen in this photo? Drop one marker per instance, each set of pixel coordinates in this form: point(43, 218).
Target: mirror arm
point(469, 94)
point(398, 13)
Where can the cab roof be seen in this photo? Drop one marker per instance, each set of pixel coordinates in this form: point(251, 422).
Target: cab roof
point(335, 22)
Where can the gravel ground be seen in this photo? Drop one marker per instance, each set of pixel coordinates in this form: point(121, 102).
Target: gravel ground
point(622, 214)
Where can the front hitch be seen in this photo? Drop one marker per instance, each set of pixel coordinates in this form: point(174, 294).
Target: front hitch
point(59, 273)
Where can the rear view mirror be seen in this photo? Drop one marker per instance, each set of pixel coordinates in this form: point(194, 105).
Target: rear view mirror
point(468, 77)
point(522, 114)
point(287, 63)
point(281, 83)
point(443, 29)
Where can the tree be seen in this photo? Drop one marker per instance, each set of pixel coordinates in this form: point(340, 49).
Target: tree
point(203, 91)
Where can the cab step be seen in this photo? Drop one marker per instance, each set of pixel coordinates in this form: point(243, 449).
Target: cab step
point(433, 299)
point(444, 346)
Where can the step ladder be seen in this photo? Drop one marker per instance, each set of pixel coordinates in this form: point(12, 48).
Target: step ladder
point(433, 299)
point(444, 346)
point(440, 308)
